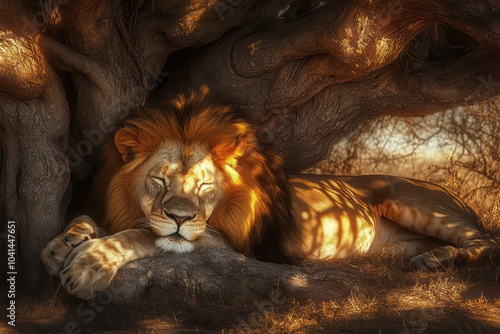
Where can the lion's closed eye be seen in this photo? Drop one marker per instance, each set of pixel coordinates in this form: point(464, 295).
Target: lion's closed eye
point(159, 181)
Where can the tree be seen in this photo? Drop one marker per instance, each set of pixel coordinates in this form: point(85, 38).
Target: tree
point(307, 73)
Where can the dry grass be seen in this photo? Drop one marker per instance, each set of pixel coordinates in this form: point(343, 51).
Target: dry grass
point(398, 300)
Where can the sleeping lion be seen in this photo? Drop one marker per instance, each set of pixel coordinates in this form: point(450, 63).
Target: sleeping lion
point(189, 173)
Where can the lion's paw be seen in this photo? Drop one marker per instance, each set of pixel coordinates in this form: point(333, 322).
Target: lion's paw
point(90, 268)
point(57, 250)
point(437, 259)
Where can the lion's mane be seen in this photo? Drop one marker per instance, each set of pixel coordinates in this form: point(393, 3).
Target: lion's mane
point(254, 214)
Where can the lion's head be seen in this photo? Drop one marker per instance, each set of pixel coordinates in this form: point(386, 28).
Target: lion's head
point(190, 165)
point(178, 189)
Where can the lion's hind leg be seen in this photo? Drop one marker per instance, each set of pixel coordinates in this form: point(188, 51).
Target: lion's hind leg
point(441, 215)
point(448, 256)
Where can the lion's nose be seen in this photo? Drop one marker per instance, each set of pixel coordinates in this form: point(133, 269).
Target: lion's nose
point(180, 209)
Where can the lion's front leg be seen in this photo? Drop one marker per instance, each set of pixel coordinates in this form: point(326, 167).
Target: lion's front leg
point(92, 265)
point(79, 230)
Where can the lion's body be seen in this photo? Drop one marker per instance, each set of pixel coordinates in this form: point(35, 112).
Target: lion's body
point(340, 216)
point(189, 173)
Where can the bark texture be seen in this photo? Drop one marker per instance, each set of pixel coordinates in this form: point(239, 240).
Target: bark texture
point(220, 277)
point(307, 73)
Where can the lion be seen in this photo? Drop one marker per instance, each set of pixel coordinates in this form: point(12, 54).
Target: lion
point(188, 173)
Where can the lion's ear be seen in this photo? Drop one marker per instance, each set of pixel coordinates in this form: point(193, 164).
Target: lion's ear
point(236, 149)
point(125, 142)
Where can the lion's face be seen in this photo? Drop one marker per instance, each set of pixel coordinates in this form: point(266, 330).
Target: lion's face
point(180, 189)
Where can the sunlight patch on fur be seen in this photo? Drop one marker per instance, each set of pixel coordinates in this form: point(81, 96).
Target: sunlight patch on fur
point(233, 175)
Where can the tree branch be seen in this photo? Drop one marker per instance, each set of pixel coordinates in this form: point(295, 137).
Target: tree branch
point(359, 37)
point(480, 19)
point(162, 27)
point(69, 60)
point(225, 277)
point(308, 83)
point(439, 85)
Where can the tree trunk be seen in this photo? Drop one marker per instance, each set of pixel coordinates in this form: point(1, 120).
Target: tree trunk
point(306, 74)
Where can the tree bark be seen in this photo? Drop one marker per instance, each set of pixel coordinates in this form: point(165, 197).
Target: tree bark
point(307, 73)
point(224, 277)
point(34, 123)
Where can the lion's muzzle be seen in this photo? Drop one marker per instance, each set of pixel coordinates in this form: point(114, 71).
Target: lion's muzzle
point(180, 209)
